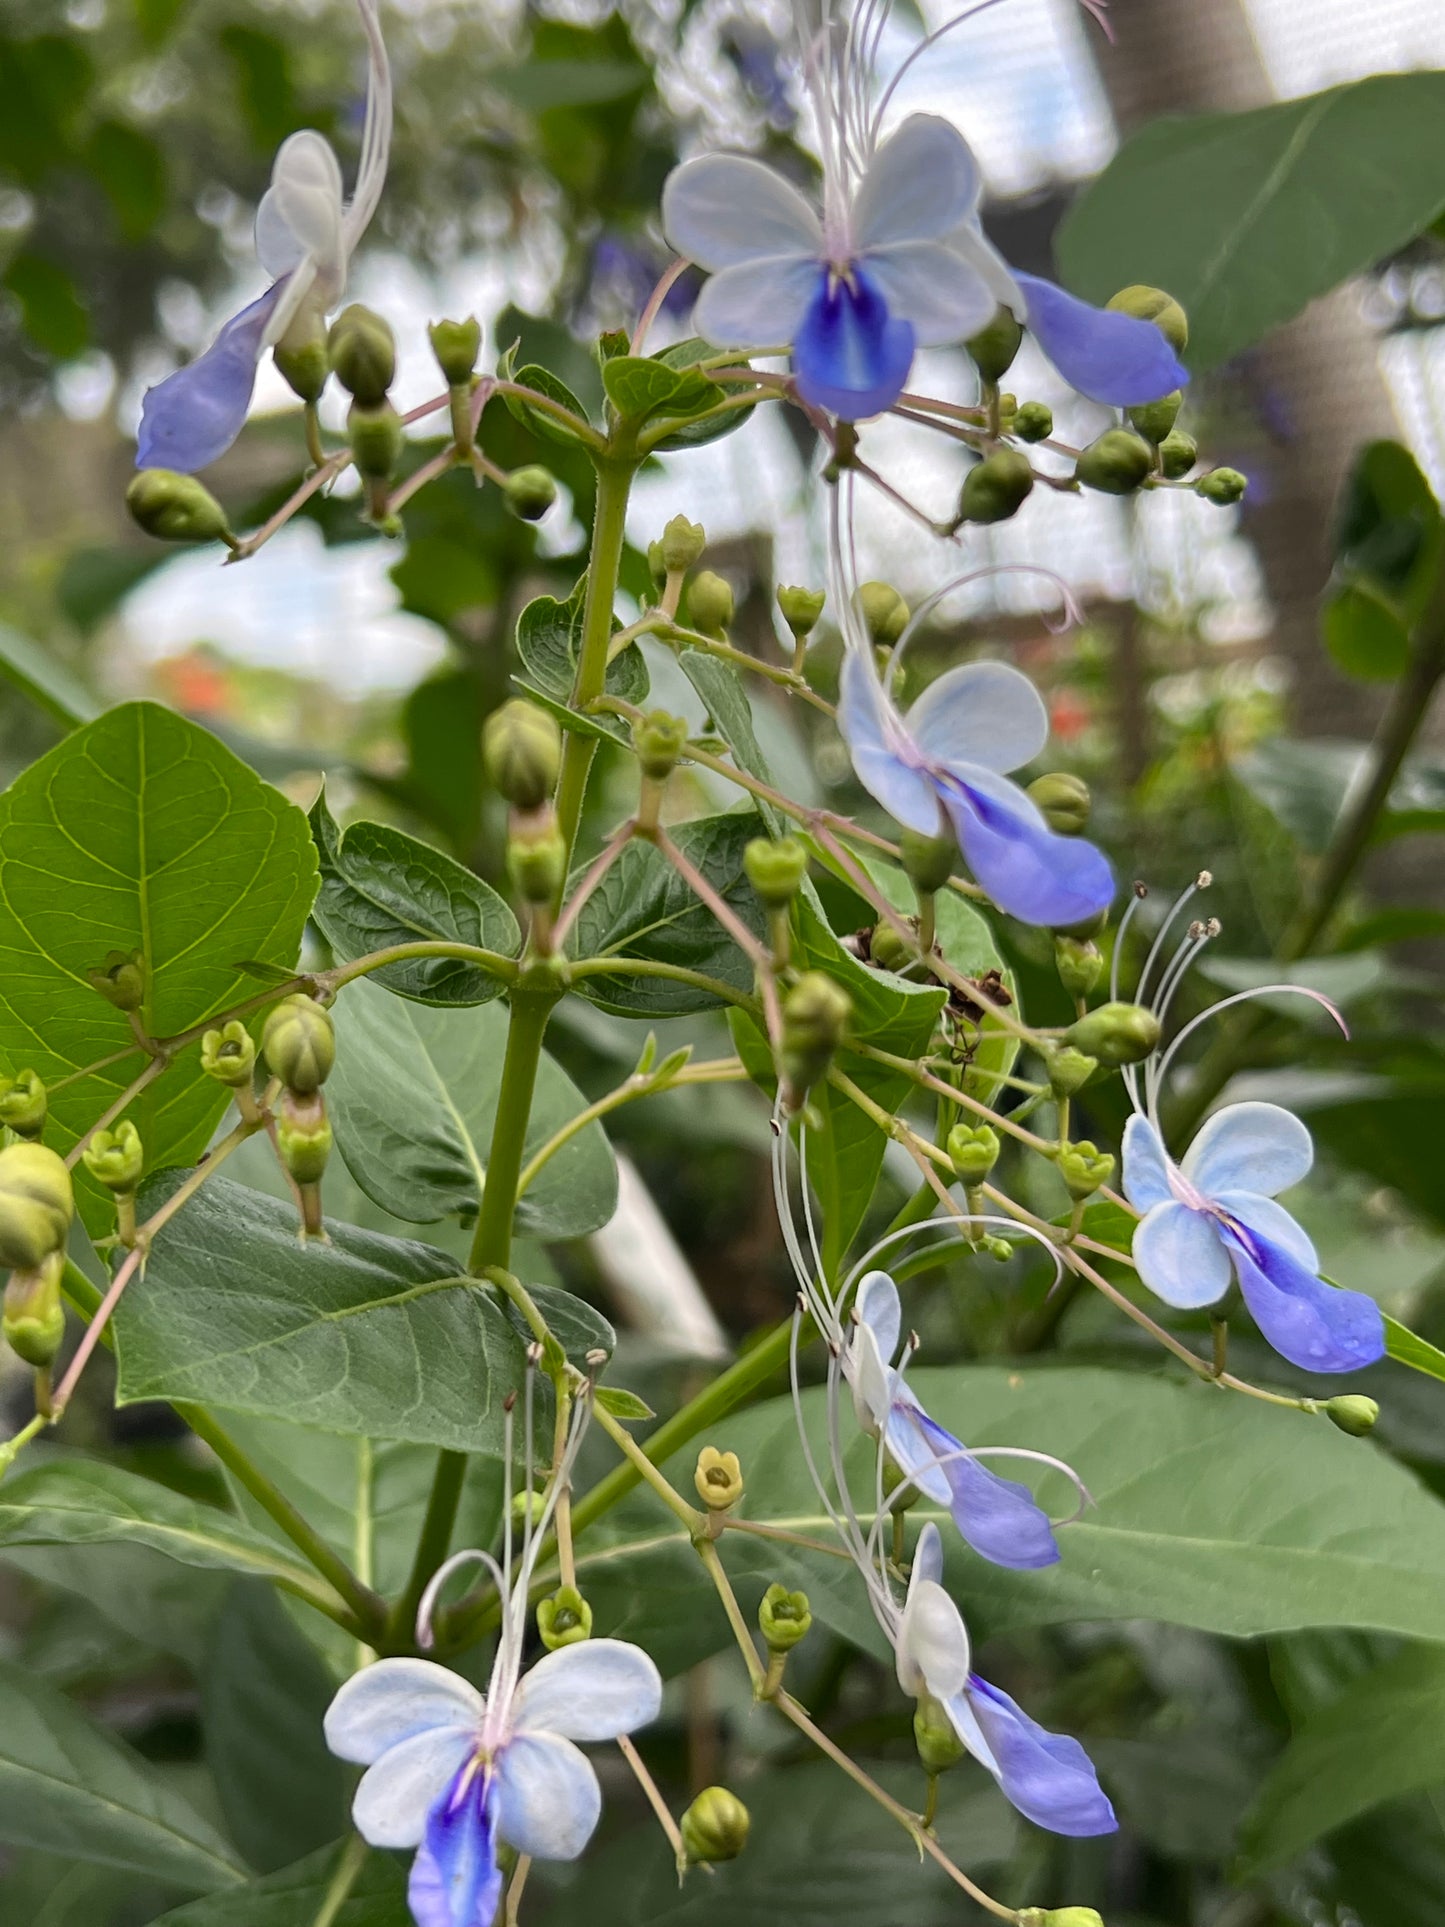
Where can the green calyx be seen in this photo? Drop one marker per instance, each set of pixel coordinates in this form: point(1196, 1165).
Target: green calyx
point(299, 1043)
point(1069, 1070)
point(927, 860)
point(973, 1150)
point(537, 858)
point(682, 545)
point(718, 1478)
point(715, 1826)
point(1178, 453)
point(997, 487)
point(783, 1618)
point(884, 612)
point(37, 1203)
point(1115, 1033)
point(1060, 1917)
point(362, 350)
point(659, 740)
point(563, 1618)
point(1083, 1168)
point(801, 609)
point(939, 1746)
point(116, 1158)
point(710, 603)
point(456, 345)
point(775, 869)
point(1064, 800)
point(1222, 486)
point(229, 1054)
point(1033, 421)
point(34, 1316)
point(1153, 304)
point(993, 348)
point(1155, 419)
point(1116, 464)
point(23, 1104)
point(522, 753)
point(1352, 1413)
point(815, 1016)
point(376, 435)
point(176, 508)
point(530, 492)
point(121, 980)
point(303, 1135)
point(1080, 964)
point(304, 365)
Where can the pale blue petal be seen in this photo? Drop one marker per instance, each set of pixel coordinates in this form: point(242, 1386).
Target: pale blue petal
point(877, 1306)
point(548, 1799)
point(984, 714)
point(999, 1518)
point(1316, 1326)
point(192, 417)
point(395, 1796)
point(758, 304)
point(1029, 870)
point(455, 1880)
point(1047, 1776)
point(922, 182)
point(591, 1691)
point(851, 357)
point(394, 1699)
point(1108, 356)
point(927, 1556)
point(1249, 1147)
point(1181, 1255)
point(965, 1724)
point(973, 246)
point(933, 289)
point(869, 727)
point(1146, 1165)
point(909, 1449)
point(722, 209)
point(1270, 1220)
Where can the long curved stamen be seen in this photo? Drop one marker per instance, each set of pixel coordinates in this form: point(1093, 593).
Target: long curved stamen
point(1143, 994)
point(929, 40)
point(1136, 897)
point(1244, 997)
point(1085, 1497)
point(1200, 936)
point(426, 1607)
point(1073, 615)
point(375, 133)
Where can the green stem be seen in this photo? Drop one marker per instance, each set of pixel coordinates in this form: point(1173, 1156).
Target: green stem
point(654, 967)
point(352, 1859)
point(492, 1243)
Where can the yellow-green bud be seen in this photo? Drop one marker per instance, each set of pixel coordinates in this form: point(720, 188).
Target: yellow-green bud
point(815, 1014)
point(528, 1509)
point(935, 1736)
point(783, 1618)
point(715, 1826)
point(1178, 453)
point(304, 365)
point(37, 1203)
point(710, 603)
point(303, 1135)
point(927, 860)
point(1084, 1167)
point(973, 1151)
point(656, 567)
point(1152, 304)
point(1060, 1917)
point(1116, 464)
point(1080, 964)
point(376, 435)
point(1115, 1034)
point(1155, 419)
point(34, 1317)
point(1223, 486)
point(229, 1054)
point(122, 979)
point(530, 492)
point(1064, 801)
point(522, 753)
point(563, 1618)
point(776, 869)
point(801, 609)
point(176, 508)
point(993, 348)
point(659, 740)
point(898, 1489)
point(456, 345)
point(682, 545)
point(996, 1248)
point(116, 1158)
point(997, 487)
point(884, 612)
point(1069, 1070)
point(363, 353)
point(718, 1477)
point(1033, 421)
point(537, 859)
point(299, 1043)
point(23, 1104)
point(1352, 1413)
point(889, 949)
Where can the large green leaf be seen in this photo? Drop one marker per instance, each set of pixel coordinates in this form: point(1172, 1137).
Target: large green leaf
point(549, 641)
point(639, 387)
point(365, 1334)
point(413, 1097)
point(294, 1897)
point(721, 688)
point(1245, 218)
point(69, 1787)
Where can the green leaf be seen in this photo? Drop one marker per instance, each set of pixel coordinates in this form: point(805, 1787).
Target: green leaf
point(638, 388)
point(1304, 785)
point(49, 684)
point(1391, 1867)
point(381, 887)
point(1389, 533)
point(1365, 636)
point(540, 84)
point(621, 1403)
point(685, 354)
point(549, 641)
point(51, 308)
point(413, 1098)
point(721, 688)
point(365, 1335)
point(1407, 1348)
point(69, 1787)
point(541, 383)
point(294, 1897)
point(1246, 218)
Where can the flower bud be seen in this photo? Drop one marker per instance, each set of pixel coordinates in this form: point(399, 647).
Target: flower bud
point(1178, 453)
point(927, 860)
point(1080, 964)
point(659, 740)
point(718, 1477)
point(783, 1618)
point(363, 353)
point(993, 348)
point(1069, 1070)
point(935, 1736)
point(710, 603)
point(122, 980)
point(884, 612)
point(997, 487)
point(1033, 422)
point(815, 1013)
point(973, 1151)
point(304, 365)
point(1084, 1167)
point(456, 345)
point(656, 567)
point(299, 1042)
point(303, 1134)
point(537, 859)
point(801, 609)
point(1223, 486)
point(1152, 304)
point(176, 508)
point(1116, 464)
point(715, 1826)
point(1352, 1413)
point(530, 492)
point(229, 1054)
point(682, 545)
point(116, 1158)
point(1155, 419)
point(1115, 1034)
point(1060, 1917)
point(889, 948)
point(37, 1203)
point(528, 1509)
point(999, 1249)
point(775, 869)
point(23, 1104)
point(1064, 801)
point(522, 753)
point(376, 436)
point(563, 1618)
point(34, 1317)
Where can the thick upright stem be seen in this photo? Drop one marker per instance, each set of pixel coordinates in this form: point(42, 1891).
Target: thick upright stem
point(492, 1242)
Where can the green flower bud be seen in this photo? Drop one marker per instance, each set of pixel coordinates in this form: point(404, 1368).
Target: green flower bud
point(34, 1317)
point(122, 980)
point(537, 860)
point(718, 1477)
point(116, 1158)
point(783, 1618)
point(1080, 964)
point(1155, 419)
point(522, 753)
point(715, 1826)
point(710, 603)
point(363, 353)
point(889, 949)
point(304, 365)
point(973, 1150)
point(456, 345)
point(1033, 422)
point(37, 1203)
point(935, 1736)
point(1116, 464)
point(176, 508)
point(996, 1248)
point(997, 487)
point(1115, 1034)
point(376, 436)
point(659, 740)
point(303, 1134)
point(1223, 486)
point(656, 567)
point(884, 612)
point(927, 860)
point(776, 869)
point(993, 348)
point(1178, 453)
point(229, 1054)
point(1064, 801)
point(1352, 1413)
point(1152, 304)
point(682, 545)
point(527, 1510)
point(563, 1619)
point(530, 492)
point(1059, 1917)
point(23, 1104)
point(1084, 1167)
point(299, 1043)
point(815, 1014)
point(1069, 1070)
point(801, 609)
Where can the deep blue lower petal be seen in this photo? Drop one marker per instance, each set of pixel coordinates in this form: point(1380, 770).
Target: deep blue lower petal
point(1108, 356)
point(998, 1517)
point(849, 354)
point(455, 1880)
point(1030, 871)
point(1316, 1326)
point(192, 417)
point(1047, 1776)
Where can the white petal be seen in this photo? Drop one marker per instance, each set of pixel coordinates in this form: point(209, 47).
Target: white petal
point(758, 304)
point(965, 1723)
point(920, 184)
point(395, 1796)
point(1146, 1164)
point(721, 209)
point(304, 202)
point(877, 1306)
point(277, 248)
point(393, 1700)
point(1249, 1147)
point(985, 714)
point(871, 1380)
point(927, 1557)
point(972, 245)
point(932, 1642)
point(591, 1691)
point(933, 289)
point(548, 1799)
point(1272, 1221)
point(1181, 1256)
